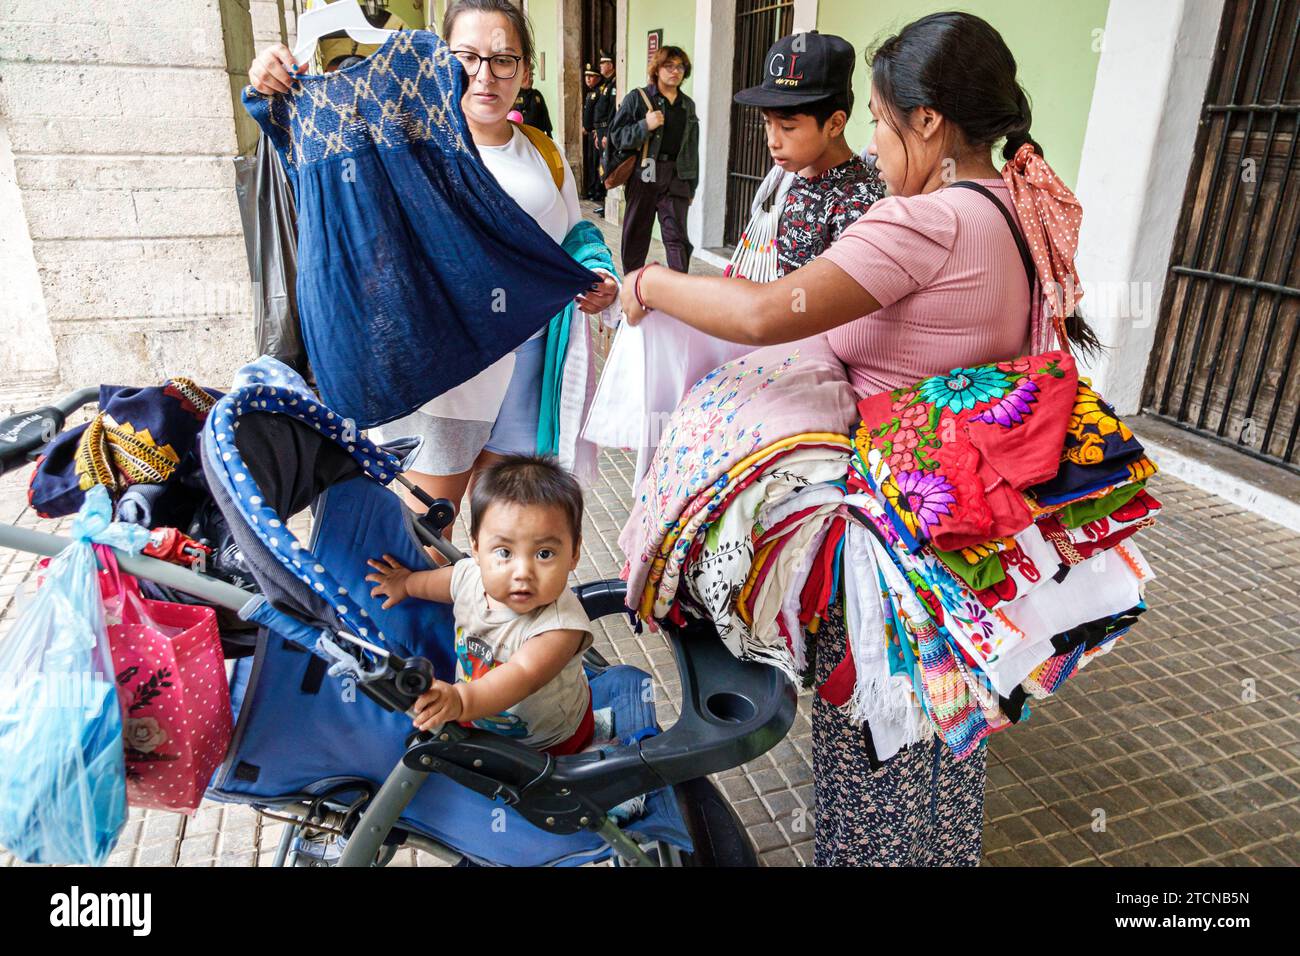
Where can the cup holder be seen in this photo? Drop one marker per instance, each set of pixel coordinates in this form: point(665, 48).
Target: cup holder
point(730, 708)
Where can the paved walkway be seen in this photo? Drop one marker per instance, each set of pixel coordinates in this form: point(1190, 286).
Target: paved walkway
point(1182, 747)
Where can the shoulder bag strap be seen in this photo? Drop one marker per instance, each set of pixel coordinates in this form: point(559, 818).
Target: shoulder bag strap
point(645, 147)
point(1023, 246)
point(550, 152)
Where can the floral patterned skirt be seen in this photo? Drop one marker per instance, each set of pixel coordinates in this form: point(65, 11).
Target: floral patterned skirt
point(921, 808)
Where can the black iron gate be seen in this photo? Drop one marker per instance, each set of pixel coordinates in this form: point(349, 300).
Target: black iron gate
point(1226, 362)
point(759, 24)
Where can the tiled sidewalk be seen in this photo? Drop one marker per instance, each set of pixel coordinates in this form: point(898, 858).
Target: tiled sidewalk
point(1182, 747)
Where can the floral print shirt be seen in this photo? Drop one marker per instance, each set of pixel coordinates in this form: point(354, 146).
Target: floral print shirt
point(817, 210)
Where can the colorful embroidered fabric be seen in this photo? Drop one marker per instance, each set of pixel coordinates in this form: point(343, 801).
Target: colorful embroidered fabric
point(731, 424)
point(724, 564)
point(988, 650)
point(1075, 545)
point(759, 539)
point(1099, 451)
point(140, 436)
point(961, 447)
point(1079, 513)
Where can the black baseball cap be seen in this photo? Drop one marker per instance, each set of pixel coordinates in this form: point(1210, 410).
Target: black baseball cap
point(802, 68)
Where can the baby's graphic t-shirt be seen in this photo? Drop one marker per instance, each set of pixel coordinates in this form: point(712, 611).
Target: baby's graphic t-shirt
point(486, 636)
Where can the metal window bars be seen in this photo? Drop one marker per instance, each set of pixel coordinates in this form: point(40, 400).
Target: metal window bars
point(1225, 364)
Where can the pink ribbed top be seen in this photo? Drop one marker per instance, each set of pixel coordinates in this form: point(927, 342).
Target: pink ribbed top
point(951, 283)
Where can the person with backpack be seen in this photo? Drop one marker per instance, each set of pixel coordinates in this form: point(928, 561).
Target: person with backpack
point(657, 124)
point(499, 412)
point(932, 278)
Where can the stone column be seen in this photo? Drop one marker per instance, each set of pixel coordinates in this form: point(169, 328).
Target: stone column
point(121, 130)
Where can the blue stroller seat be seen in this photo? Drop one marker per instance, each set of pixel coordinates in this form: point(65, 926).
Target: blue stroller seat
point(299, 735)
point(270, 449)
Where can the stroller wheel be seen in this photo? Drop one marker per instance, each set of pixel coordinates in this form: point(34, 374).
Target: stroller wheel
point(717, 833)
point(315, 848)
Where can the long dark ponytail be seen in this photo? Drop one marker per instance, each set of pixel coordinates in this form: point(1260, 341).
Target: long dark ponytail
point(958, 65)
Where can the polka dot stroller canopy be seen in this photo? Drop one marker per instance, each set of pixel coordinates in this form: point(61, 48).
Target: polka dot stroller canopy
point(270, 448)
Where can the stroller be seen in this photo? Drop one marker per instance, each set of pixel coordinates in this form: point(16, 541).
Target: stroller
point(337, 759)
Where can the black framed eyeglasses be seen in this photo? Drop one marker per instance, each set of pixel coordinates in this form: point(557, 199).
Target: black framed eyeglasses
point(504, 66)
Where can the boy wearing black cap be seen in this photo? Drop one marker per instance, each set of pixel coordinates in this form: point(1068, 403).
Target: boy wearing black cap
point(806, 97)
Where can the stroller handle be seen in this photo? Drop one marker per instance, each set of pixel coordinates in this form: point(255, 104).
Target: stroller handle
point(208, 589)
point(24, 434)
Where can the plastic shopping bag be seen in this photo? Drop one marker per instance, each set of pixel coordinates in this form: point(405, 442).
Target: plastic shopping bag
point(650, 367)
point(62, 774)
point(270, 219)
point(171, 679)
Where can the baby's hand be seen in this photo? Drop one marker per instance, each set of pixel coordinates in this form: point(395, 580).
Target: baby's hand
point(390, 582)
point(437, 705)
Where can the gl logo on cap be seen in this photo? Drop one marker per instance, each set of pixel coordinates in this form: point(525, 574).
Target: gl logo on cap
point(784, 73)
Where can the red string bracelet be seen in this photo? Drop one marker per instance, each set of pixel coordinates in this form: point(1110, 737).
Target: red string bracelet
point(636, 288)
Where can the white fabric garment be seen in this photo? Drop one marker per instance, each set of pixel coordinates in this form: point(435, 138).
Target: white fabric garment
point(1105, 584)
point(883, 700)
point(714, 579)
point(1037, 563)
point(480, 398)
point(810, 497)
point(790, 601)
point(577, 389)
point(522, 172)
point(649, 369)
point(784, 581)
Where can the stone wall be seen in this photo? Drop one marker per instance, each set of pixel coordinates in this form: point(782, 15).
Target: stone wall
point(119, 128)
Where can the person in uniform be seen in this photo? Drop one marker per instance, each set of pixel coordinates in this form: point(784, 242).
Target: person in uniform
point(590, 157)
point(532, 106)
point(606, 106)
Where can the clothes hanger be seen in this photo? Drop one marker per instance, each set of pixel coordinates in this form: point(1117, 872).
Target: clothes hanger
point(339, 16)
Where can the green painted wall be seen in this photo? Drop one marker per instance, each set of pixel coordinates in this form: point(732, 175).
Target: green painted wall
point(676, 17)
point(1054, 44)
point(545, 17)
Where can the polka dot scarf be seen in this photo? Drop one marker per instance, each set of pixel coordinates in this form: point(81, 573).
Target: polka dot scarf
point(1049, 217)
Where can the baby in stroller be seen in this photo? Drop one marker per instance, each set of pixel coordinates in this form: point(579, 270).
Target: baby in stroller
point(520, 631)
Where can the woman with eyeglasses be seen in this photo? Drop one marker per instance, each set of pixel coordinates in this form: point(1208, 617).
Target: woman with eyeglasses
point(496, 413)
point(660, 119)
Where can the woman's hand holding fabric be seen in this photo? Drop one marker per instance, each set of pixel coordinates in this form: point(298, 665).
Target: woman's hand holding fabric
point(274, 70)
point(600, 298)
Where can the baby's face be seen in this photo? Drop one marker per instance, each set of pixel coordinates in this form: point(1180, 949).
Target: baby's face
point(526, 553)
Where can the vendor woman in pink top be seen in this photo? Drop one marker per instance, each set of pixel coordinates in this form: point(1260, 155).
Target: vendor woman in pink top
point(929, 279)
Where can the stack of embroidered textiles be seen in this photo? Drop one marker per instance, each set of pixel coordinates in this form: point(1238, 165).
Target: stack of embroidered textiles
point(976, 529)
point(992, 556)
point(742, 504)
